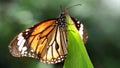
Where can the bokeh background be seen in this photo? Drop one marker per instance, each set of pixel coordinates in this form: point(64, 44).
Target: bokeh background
point(100, 17)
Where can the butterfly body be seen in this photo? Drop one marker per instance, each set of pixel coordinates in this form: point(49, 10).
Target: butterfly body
point(46, 41)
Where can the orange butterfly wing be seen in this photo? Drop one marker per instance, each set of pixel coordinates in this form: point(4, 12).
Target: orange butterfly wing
point(45, 41)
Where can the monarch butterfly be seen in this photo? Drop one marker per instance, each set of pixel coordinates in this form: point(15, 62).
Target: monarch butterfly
point(46, 40)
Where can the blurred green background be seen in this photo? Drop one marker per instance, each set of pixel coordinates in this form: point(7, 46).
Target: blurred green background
point(100, 17)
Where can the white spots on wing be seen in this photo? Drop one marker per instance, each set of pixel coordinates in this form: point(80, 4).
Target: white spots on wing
point(62, 59)
point(59, 60)
point(22, 47)
point(78, 22)
point(32, 51)
point(21, 41)
point(54, 60)
point(31, 54)
point(19, 35)
point(27, 30)
point(61, 56)
point(23, 50)
point(81, 30)
point(27, 53)
point(26, 33)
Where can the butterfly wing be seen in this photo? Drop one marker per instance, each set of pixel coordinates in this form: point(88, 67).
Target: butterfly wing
point(82, 30)
point(44, 41)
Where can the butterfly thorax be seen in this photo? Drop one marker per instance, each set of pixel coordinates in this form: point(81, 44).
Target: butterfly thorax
point(61, 20)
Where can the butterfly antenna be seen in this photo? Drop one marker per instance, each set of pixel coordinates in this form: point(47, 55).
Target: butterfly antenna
point(74, 6)
point(61, 8)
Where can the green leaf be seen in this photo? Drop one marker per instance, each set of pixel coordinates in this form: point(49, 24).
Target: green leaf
point(77, 55)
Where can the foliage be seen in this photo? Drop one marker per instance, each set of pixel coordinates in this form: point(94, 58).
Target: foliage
point(77, 56)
